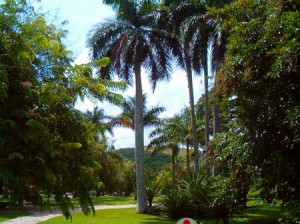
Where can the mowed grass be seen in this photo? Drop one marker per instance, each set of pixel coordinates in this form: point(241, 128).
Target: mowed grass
point(111, 216)
point(12, 214)
point(102, 200)
point(109, 200)
point(257, 215)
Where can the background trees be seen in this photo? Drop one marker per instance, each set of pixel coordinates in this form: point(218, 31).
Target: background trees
point(126, 118)
point(46, 144)
point(260, 86)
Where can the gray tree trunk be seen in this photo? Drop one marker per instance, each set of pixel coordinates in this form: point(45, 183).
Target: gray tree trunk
point(205, 68)
point(217, 114)
point(188, 166)
point(139, 142)
point(192, 108)
point(174, 154)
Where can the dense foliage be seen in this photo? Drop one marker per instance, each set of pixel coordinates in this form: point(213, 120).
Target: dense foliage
point(259, 85)
point(46, 144)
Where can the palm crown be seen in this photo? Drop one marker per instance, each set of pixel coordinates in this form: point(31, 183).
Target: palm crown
point(132, 40)
point(126, 118)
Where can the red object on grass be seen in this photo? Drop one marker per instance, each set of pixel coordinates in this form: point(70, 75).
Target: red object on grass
point(186, 221)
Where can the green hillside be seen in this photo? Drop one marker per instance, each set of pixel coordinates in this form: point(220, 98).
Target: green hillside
point(158, 161)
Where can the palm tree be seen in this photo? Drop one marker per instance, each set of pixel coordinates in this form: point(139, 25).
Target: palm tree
point(130, 41)
point(200, 32)
point(218, 46)
point(184, 129)
point(126, 118)
point(170, 20)
point(196, 33)
point(103, 122)
point(167, 136)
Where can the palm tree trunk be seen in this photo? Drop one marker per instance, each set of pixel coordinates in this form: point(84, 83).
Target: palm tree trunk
point(139, 142)
point(205, 67)
point(217, 116)
point(188, 166)
point(173, 169)
point(192, 108)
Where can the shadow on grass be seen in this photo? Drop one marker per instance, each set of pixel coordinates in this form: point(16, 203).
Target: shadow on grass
point(6, 215)
point(109, 200)
point(258, 214)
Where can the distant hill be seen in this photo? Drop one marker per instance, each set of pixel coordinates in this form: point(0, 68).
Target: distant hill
point(158, 161)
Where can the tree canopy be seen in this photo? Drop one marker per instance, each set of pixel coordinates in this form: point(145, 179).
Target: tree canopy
point(259, 85)
point(45, 143)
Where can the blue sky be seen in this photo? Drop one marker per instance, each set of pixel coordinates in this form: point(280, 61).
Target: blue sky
point(81, 16)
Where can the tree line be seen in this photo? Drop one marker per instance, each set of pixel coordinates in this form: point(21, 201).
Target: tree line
point(247, 124)
point(253, 49)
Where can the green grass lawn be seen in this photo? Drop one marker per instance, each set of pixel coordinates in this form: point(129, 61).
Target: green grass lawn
point(112, 216)
point(257, 215)
point(109, 200)
point(102, 200)
point(12, 214)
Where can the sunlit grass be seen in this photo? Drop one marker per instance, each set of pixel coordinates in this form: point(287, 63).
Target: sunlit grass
point(109, 200)
point(260, 214)
point(102, 200)
point(112, 216)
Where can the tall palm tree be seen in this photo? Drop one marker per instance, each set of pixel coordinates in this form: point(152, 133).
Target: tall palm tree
point(200, 32)
point(188, 69)
point(165, 137)
point(170, 20)
point(130, 41)
point(196, 33)
point(218, 46)
point(126, 118)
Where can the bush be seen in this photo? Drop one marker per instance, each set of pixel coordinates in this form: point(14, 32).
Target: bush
point(291, 212)
point(175, 204)
point(201, 197)
point(153, 189)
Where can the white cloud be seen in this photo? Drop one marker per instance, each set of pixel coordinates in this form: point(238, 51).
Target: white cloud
point(83, 57)
point(123, 138)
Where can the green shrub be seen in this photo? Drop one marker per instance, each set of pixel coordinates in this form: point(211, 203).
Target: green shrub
point(175, 204)
point(291, 212)
point(153, 188)
point(201, 197)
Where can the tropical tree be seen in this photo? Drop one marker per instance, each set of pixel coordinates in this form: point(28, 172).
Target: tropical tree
point(200, 33)
point(167, 19)
point(130, 41)
point(116, 174)
point(45, 144)
point(196, 33)
point(184, 122)
point(126, 118)
point(166, 137)
point(101, 120)
point(259, 85)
